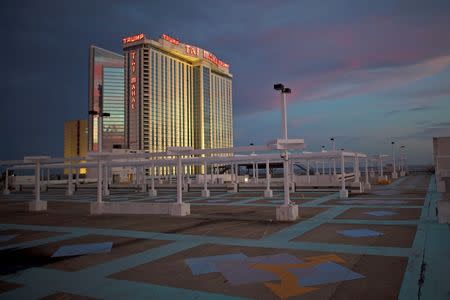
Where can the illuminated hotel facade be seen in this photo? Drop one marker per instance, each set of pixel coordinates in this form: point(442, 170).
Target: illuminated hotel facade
point(106, 94)
point(175, 95)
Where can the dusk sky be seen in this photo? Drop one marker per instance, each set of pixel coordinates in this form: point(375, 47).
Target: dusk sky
point(365, 72)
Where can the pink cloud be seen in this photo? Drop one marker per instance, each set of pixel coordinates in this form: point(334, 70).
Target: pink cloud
point(332, 61)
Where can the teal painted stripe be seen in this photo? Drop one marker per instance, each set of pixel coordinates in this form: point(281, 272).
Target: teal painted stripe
point(374, 222)
point(26, 292)
point(248, 200)
point(368, 206)
point(148, 198)
point(265, 243)
point(305, 226)
point(237, 204)
point(40, 242)
point(385, 198)
point(323, 247)
point(48, 281)
point(397, 182)
point(308, 205)
point(323, 199)
point(131, 261)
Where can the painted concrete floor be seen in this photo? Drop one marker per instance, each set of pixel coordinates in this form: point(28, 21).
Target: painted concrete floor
point(407, 257)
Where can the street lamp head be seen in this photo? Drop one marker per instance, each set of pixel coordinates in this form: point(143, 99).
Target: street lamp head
point(392, 143)
point(332, 139)
point(93, 112)
point(286, 90)
point(106, 114)
point(278, 87)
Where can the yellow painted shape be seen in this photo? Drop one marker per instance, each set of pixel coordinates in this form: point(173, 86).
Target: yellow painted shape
point(289, 286)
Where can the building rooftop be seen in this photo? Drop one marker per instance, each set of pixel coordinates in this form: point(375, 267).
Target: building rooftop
point(370, 246)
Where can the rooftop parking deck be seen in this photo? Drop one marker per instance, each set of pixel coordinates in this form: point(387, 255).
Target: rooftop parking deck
point(385, 244)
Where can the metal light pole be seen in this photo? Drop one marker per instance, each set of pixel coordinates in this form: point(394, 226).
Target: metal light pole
point(100, 115)
point(323, 161)
point(333, 146)
point(394, 171)
point(280, 87)
point(402, 160)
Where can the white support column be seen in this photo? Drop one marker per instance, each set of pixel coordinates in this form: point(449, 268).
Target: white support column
point(367, 185)
point(394, 169)
point(291, 177)
point(381, 168)
point(77, 177)
point(99, 181)
point(236, 173)
point(232, 172)
point(106, 180)
point(179, 208)
point(143, 179)
point(329, 166)
point(287, 200)
point(212, 174)
point(334, 166)
point(253, 172)
point(205, 191)
point(366, 170)
point(268, 193)
point(69, 191)
point(287, 211)
point(323, 166)
point(308, 177)
point(186, 180)
point(6, 187)
point(37, 179)
point(179, 181)
point(257, 172)
point(343, 193)
point(136, 176)
point(317, 168)
point(234, 178)
point(356, 168)
point(37, 204)
point(152, 192)
point(48, 177)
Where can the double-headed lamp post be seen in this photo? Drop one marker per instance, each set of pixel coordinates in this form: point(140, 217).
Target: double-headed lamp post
point(402, 160)
point(284, 90)
point(394, 171)
point(333, 147)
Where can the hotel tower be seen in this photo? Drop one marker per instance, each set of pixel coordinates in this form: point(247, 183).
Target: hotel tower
point(176, 94)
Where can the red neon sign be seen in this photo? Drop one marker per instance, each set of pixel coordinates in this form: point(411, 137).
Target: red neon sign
point(192, 50)
point(170, 39)
point(212, 58)
point(195, 51)
point(133, 80)
point(133, 38)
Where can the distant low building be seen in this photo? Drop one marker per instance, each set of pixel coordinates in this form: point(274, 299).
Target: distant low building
point(75, 140)
point(441, 157)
